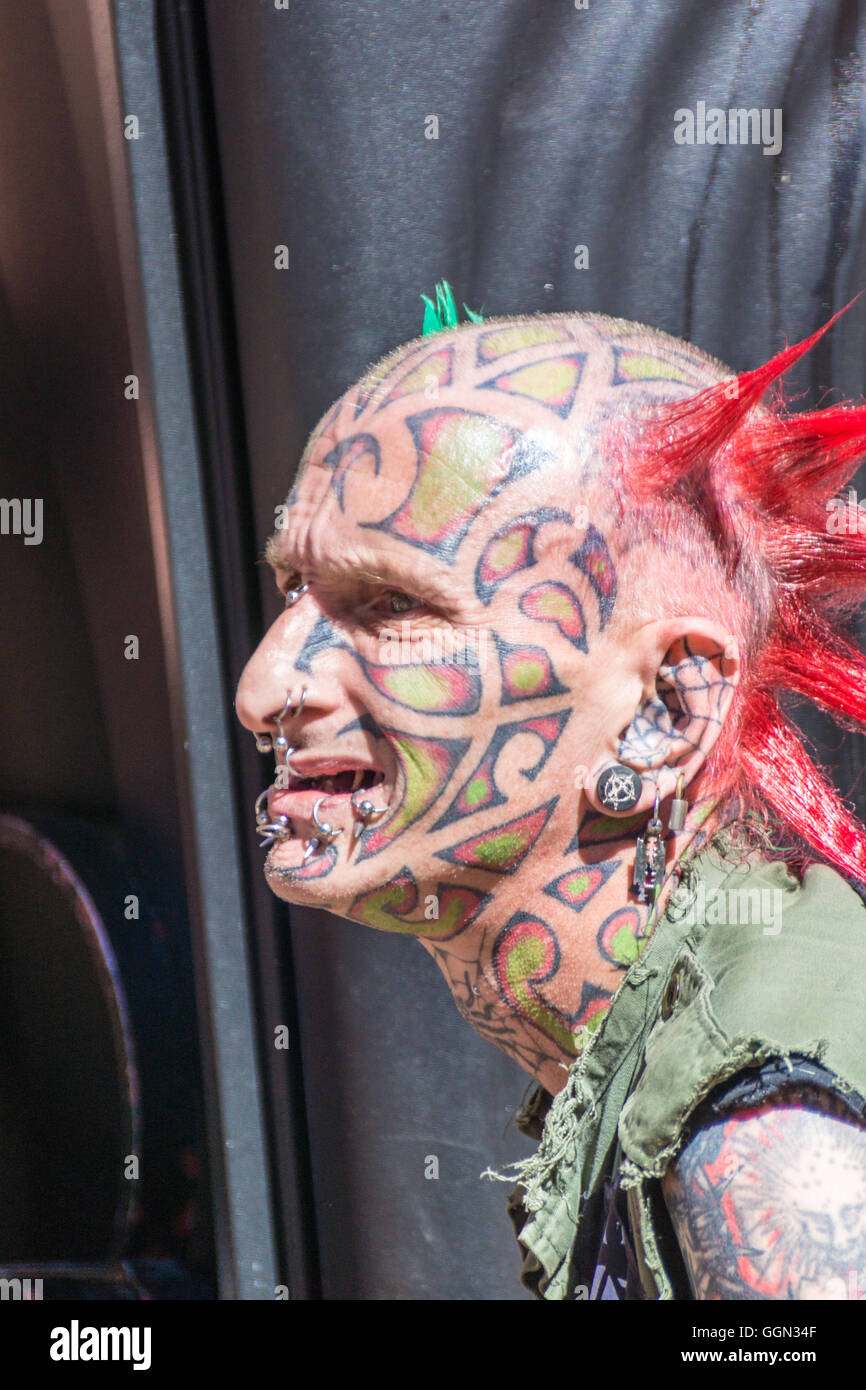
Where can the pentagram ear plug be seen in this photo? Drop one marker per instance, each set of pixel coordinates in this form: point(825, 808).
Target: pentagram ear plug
point(619, 788)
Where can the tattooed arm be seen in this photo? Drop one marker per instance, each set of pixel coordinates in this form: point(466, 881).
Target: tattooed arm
point(771, 1203)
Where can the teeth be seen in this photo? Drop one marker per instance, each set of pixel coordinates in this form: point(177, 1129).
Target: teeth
point(327, 782)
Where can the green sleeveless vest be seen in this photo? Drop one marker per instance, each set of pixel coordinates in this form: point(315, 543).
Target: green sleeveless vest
point(746, 964)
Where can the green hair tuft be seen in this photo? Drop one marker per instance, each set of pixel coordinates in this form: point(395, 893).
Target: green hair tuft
point(443, 314)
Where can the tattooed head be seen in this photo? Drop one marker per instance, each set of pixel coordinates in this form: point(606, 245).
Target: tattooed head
point(532, 549)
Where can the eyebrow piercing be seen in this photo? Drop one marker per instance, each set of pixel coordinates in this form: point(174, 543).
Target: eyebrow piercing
point(365, 811)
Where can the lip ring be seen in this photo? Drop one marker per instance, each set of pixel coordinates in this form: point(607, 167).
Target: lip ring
point(325, 829)
point(365, 812)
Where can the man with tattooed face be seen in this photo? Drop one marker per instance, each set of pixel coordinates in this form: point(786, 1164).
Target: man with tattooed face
point(544, 578)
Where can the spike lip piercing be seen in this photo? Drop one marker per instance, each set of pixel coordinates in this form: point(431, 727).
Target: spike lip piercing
point(365, 811)
point(277, 829)
point(326, 833)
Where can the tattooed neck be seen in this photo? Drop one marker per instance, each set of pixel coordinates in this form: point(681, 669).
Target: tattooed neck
point(537, 981)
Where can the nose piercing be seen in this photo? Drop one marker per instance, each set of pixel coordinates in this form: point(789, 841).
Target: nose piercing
point(281, 743)
point(280, 827)
point(268, 743)
point(365, 811)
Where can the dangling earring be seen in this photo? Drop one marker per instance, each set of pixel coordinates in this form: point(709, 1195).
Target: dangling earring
point(649, 856)
point(619, 788)
point(679, 808)
point(365, 811)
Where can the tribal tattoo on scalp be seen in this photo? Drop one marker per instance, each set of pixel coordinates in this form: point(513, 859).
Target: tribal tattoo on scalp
point(451, 641)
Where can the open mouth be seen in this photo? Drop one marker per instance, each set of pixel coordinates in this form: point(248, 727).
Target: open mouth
point(344, 783)
point(292, 809)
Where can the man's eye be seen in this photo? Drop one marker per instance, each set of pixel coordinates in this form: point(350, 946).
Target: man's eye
point(398, 602)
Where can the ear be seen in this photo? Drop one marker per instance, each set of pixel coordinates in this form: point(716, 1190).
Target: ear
point(687, 669)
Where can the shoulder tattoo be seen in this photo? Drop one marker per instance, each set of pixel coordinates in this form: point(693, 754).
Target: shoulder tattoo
point(770, 1202)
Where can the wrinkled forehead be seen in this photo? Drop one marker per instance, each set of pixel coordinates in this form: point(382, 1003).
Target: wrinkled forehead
point(484, 419)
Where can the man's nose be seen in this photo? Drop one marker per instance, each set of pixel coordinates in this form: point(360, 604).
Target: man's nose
point(271, 678)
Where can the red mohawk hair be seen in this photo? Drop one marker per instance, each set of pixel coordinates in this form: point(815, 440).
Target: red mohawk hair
point(758, 481)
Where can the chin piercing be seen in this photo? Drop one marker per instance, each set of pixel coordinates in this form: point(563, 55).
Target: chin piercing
point(365, 811)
